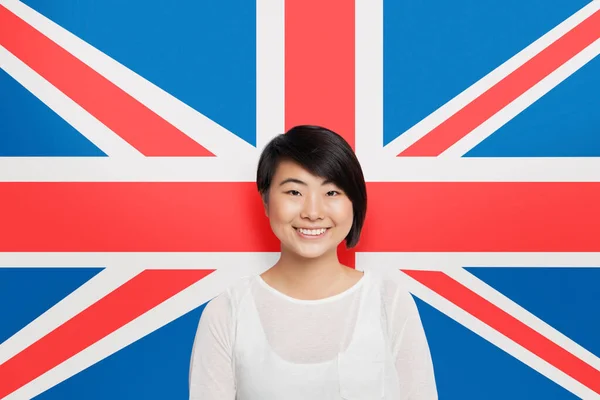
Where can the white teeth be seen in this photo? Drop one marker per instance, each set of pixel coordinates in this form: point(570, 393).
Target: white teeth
point(312, 232)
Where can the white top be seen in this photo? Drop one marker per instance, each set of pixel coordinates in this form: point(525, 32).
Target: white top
point(255, 343)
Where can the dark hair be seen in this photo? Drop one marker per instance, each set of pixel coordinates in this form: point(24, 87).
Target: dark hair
point(323, 153)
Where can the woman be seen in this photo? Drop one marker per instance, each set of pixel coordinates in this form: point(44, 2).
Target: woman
point(310, 327)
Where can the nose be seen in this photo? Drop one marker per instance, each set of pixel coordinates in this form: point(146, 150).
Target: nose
point(312, 208)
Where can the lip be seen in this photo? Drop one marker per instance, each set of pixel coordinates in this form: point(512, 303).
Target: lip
point(311, 237)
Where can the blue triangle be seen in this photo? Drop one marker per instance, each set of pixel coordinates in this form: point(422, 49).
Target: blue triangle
point(568, 299)
point(202, 52)
point(469, 367)
point(563, 123)
point(26, 293)
point(28, 128)
point(154, 367)
point(433, 53)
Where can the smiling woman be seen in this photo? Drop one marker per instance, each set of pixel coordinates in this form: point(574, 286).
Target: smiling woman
point(308, 214)
point(310, 327)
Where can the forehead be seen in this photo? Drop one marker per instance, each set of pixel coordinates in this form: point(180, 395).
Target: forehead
point(289, 169)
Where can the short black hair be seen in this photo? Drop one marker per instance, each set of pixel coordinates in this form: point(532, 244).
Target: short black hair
point(323, 153)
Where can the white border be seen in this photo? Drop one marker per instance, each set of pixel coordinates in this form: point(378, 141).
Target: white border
point(270, 70)
point(211, 169)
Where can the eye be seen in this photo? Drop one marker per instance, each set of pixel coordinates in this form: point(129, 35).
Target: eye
point(293, 192)
point(333, 193)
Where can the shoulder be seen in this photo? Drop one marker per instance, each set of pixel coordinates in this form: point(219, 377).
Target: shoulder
point(228, 302)
point(387, 279)
point(395, 293)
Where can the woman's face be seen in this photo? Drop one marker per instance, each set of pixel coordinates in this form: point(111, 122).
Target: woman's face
point(310, 216)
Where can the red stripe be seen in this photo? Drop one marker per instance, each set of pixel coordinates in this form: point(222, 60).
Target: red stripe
point(509, 326)
point(319, 65)
point(134, 298)
point(319, 70)
point(142, 216)
point(408, 216)
point(507, 90)
point(124, 115)
point(482, 217)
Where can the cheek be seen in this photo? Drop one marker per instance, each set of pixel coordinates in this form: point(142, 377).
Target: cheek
point(281, 211)
point(342, 212)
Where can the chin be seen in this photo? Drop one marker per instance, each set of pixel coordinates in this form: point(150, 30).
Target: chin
point(310, 253)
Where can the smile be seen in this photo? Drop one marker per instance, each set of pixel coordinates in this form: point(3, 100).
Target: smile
point(311, 233)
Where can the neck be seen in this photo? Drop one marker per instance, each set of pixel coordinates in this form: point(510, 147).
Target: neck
point(312, 274)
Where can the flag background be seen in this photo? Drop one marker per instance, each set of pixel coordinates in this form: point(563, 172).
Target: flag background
point(104, 225)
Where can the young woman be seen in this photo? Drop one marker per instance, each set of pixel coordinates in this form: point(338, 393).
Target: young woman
point(309, 327)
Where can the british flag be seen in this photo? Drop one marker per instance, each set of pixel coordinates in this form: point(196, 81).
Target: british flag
point(129, 135)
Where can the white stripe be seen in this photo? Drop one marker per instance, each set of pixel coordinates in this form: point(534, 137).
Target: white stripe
point(472, 169)
point(87, 294)
point(497, 339)
point(107, 169)
point(443, 261)
point(369, 80)
point(139, 260)
point(467, 96)
point(217, 260)
point(270, 70)
point(532, 95)
point(212, 136)
point(499, 300)
point(211, 169)
point(96, 132)
point(173, 308)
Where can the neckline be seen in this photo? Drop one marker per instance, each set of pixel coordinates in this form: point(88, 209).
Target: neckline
point(329, 299)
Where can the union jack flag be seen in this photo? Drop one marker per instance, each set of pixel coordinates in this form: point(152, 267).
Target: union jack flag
point(129, 135)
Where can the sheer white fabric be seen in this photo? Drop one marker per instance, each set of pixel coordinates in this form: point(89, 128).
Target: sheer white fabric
point(309, 333)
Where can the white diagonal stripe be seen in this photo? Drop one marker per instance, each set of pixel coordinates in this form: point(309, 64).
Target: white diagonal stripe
point(270, 70)
point(95, 131)
point(208, 133)
point(532, 95)
point(173, 308)
point(87, 294)
point(496, 338)
point(440, 115)
point(515, 310)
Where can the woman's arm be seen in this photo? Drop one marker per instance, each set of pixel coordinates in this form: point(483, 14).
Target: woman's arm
point(211, 367)
point(411, 350)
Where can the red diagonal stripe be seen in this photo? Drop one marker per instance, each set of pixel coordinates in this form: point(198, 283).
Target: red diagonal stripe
point(124, 115)
point(507, 90)
point(406, 216)
point(509, 326)
point(134, 298)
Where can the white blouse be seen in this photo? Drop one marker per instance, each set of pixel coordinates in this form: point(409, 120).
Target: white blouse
point(255, 343)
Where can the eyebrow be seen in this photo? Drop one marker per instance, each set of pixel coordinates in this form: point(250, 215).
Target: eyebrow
point(298, 181)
